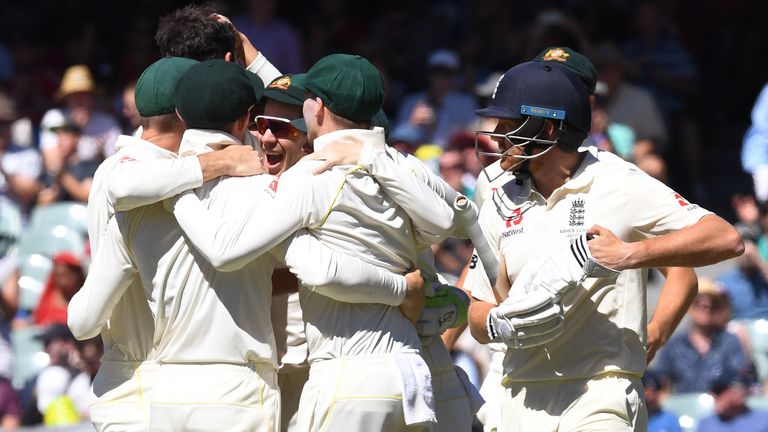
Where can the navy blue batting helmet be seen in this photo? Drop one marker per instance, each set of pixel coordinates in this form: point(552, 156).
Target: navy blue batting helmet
point(544, 90)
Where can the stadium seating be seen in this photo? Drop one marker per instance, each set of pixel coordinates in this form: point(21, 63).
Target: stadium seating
point(30, 357)
point(69, 214)
point(34, 272)
point(689, 408)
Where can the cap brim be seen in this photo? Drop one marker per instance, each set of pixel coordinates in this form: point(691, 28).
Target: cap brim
point(498, 112)
point(300, 124)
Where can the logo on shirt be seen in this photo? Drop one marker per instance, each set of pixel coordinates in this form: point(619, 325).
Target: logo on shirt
point(515, 218)
point(127, 159)
point(273, 185)
point(577, 213)
point(682, 201)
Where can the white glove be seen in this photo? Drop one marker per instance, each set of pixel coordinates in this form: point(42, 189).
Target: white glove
point(526, 320)
point(446, 309)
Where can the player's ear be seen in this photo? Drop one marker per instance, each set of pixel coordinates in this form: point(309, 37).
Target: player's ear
point(229, 57)
point(320, 113)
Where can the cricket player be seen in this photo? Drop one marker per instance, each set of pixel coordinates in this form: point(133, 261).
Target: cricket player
point(365, 373)
point(680, 282)
point(232, 347)
point(573, 321)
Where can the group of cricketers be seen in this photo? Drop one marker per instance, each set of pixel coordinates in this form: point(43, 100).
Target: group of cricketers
point(262, 260)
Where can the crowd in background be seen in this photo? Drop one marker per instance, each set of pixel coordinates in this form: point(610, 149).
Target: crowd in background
point(676, 83)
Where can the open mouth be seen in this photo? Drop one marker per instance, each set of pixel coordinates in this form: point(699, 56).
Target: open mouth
point(273, 161)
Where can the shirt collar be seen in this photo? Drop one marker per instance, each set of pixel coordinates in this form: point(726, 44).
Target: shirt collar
point(198, 141)
point(374, 137)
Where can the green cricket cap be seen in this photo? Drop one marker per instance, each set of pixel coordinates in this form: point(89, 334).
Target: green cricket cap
point(214, 93)
point(349, 85)
point(574, 61)
point(156, 88)
point(283, 90)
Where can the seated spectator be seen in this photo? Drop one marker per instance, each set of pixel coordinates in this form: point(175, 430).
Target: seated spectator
point(20, 167)
point(658, 419)
point(87, 361)
point(731, 411)
point(746, 284)
point(65, 280)
point(99, 129)
point(431, 116)
point(73, 181)
point(692, 360)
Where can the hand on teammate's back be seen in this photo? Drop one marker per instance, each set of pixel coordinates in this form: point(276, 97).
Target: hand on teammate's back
point(242, 161)
point(415, 296)
point(608, 250)
point(337, 153)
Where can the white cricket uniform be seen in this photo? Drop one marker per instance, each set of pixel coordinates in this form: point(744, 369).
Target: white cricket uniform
point(352, 334)
point(602, 347)
point(292, 351)
point(233, 338)
point(125, 376)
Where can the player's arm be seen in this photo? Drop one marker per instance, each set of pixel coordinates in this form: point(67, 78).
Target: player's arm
point(337, 275)
point(111, 272)
point(136, 183)
point(232, 243)
point(677, 294)
point(431, 216)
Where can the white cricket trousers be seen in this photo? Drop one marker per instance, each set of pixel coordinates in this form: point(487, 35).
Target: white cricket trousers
point(361, 393)
point(215, 397)
point(452, 407)
point(121, 391)
point(493, 392)
point(610, 402)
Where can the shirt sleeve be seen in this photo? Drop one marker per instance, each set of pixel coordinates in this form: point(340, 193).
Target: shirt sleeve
point(656, 209)
point(263, 68)
point(135, 183)
point(342, 277)
point(431, 216)
point(111, 272)
point(477, 281)
point(232, 243)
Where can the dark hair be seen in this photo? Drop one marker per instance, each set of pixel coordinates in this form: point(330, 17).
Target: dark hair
point(191, 32)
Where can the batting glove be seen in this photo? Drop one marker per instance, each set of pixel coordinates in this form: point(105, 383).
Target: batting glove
point(446, 309)
point(526, 321)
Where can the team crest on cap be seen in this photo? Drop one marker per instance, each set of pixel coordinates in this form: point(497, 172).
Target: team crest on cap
point(556, 54)
point(281, 83)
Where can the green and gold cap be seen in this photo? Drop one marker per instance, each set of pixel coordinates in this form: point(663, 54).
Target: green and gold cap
point(574, 61)
point(349, 85)
point(214, 93)
point(156, 88)
point(283, 90)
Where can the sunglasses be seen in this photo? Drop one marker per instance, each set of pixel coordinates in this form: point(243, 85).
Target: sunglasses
point(280, 127)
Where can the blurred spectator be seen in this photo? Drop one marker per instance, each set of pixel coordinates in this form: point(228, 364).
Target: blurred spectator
point(658, 420)
point(87, 361)
point(746, 284)
point(10, 406)
point(693, 359)
point(748, 216)
point(99, 129)
point(452, 170)
point(754, 150)
point(130, 113)
point(20, 167)
point(65, 280)
point(73, 181)
point(50, 402)
point(553, 27)
point(629, 104)
point(431, 116)
point(275, 38)
point(731, 411)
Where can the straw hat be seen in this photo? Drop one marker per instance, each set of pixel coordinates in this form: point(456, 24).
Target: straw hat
point(76, 79)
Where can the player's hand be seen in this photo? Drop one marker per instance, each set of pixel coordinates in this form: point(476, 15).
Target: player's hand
point(415, 296)
point(244, 50)
point(242, 160)
point(610, 251)
point(337, 153)
point(526, 321)
point(447, 308)
point(653, 342)
point(422, 114)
